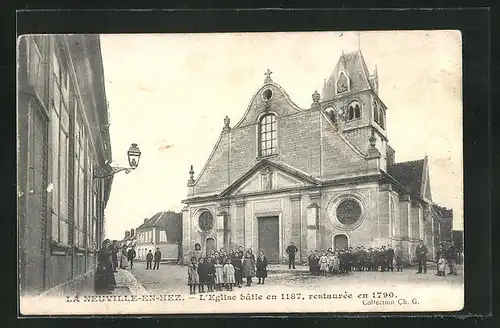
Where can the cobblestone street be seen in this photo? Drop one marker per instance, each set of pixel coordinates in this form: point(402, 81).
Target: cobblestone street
point(173, 279)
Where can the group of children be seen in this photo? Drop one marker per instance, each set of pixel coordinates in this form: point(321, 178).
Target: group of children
point(224, 270)
point(342, 261)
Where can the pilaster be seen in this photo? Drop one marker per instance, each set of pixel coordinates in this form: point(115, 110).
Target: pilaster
point(295, 222)
point(240, 223)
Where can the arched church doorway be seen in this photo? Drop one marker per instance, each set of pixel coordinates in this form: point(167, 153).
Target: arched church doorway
point(340, 241)
point(210, 244)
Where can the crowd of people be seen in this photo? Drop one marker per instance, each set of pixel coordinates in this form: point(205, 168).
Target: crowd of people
point(224, 270)
point(342, 261)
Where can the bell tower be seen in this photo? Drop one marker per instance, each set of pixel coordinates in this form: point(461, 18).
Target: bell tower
point(353, 91)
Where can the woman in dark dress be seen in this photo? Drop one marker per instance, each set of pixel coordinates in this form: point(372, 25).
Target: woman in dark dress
point(203, 273)
point(248, 268)
point(104, 277)
point(236, 261)
point(261, 268)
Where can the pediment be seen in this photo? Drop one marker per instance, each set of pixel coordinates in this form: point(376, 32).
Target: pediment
point(268, 176)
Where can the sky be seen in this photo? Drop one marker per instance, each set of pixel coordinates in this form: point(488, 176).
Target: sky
point(169, 93)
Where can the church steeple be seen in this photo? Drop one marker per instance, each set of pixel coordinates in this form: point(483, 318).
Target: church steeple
point(353, 90)
point(349, 75)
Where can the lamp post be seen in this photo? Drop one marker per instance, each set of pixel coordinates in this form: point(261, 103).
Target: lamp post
point(133, 154)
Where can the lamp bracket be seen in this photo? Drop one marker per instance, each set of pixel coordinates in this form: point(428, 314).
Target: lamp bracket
point(99, 173)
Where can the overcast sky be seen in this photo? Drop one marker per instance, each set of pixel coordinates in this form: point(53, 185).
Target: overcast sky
point(169, 93)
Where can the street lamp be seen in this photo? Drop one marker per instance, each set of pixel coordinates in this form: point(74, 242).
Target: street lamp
point(133, 153)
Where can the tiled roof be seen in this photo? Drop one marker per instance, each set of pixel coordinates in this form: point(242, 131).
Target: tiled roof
point(409, 174)
point(157, 220)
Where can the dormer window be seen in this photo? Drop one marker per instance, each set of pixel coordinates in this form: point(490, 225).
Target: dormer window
point(353, 111)
point(267, 135)
point(342, 83)
point(330, 112)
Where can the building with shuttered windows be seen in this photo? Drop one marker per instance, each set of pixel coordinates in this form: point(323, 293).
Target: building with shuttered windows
point(63, 138)
point(163, 231)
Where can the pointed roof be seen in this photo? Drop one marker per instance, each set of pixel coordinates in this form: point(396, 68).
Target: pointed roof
point(410, 174)
point(277, 165)
point(355, 66)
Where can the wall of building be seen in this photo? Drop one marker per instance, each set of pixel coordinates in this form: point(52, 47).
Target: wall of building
point(374, 229)
point(61, 208)
point(306, 141)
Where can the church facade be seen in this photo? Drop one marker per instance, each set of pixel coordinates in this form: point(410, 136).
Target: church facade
point(320, 177)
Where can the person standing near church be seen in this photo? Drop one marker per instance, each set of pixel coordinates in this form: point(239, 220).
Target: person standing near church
point(451, 258)
point(390, 258)
point(131, 256)
point(157, 259)
point(261, 271)
point(421, 253)
point(291, 250)
point(149, 260)
point(236, 261)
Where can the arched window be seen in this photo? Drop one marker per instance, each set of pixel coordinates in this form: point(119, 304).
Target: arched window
point(353, 111)
point(268, 138)
point(375, 113)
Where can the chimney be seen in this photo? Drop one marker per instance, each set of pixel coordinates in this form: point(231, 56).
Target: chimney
point(132, 232)
point(146, 220)
point(127, 233)
point(391, 156)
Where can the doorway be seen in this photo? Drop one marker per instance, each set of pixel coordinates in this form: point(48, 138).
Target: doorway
point(340, 241)
point(210, 245)
point(269, 237)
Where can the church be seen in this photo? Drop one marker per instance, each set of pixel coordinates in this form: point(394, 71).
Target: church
point(320, 177)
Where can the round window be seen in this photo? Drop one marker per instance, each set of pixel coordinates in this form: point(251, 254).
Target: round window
point(348, 211)
point(206, 221)
point(267, 94)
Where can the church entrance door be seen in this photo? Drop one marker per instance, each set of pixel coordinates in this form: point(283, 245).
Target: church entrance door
point(340, 241)
point(269, 237)
point(210, 244)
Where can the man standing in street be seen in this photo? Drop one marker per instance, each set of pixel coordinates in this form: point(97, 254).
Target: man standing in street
point(149, 260)
point(451, 258)
point(421, 253)
point(157, 259)
point(383, 259)
point(291, 250)
point(390, 258)
point(131, 256)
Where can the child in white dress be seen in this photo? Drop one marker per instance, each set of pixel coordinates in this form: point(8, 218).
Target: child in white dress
point(219, 275)
point(323, 264)
point(228, 272)
point(441, 266)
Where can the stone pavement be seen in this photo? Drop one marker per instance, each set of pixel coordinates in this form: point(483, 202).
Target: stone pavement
point(173, 278)
point(126, 283)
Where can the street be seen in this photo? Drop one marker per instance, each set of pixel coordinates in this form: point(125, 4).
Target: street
point(284, 284)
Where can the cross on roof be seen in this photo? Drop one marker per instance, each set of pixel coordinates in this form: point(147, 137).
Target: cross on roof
point(268, 75)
